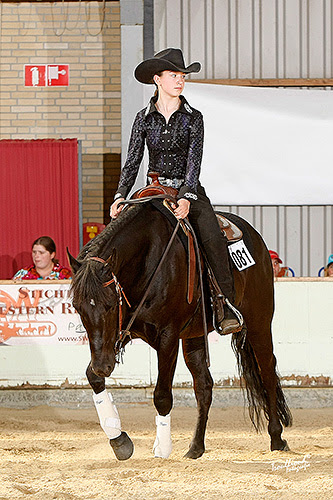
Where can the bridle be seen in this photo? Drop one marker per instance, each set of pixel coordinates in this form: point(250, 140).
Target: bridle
point(119, 291)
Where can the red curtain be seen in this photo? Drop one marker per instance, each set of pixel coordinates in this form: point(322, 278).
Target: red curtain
point(38, 197)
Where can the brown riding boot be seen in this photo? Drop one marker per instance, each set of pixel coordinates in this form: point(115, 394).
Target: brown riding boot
point(229, 323)
point(225, 320)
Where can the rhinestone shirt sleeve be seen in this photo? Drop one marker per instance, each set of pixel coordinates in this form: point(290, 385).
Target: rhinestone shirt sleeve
point(134, 156)
point(194, 157)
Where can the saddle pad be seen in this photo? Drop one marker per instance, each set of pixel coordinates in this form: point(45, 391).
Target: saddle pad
point(232, 232)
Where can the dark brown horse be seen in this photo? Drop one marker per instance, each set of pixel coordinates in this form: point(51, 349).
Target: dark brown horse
point(117, 266)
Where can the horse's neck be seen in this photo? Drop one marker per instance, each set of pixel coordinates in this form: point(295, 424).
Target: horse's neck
point(129, 243)
point(133, 247)
point(138, 246)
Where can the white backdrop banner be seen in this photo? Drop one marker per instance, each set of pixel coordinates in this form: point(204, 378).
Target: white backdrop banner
point(39, 313)
point(264, 146)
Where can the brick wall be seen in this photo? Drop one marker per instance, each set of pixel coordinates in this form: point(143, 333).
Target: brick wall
point(89, 109)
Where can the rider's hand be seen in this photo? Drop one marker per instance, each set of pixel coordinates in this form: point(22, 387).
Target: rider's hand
point(115, 209)
point(183, 208)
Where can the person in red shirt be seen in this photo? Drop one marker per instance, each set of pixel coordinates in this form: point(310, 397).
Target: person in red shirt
point(45, 265)
point(279, 272)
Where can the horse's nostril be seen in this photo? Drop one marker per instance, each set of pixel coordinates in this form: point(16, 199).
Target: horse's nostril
point(109, 370)
point(102, 371)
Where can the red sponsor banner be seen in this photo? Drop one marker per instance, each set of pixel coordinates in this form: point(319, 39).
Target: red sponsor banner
point(46, 75)
point(39, 313)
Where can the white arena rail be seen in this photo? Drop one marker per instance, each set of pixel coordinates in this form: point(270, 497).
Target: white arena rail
point(44, 341)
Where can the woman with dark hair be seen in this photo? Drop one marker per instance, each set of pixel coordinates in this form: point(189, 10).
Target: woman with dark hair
point(173, 132)
point(45, 265)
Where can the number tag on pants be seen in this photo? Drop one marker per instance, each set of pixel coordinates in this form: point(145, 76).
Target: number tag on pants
point(240, 255)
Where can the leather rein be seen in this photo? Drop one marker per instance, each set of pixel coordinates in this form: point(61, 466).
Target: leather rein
point(124, 334)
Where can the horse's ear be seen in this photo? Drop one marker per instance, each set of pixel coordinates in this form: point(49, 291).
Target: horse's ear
point(75, 264)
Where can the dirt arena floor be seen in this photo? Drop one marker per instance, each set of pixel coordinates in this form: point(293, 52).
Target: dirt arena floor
point(55, 453)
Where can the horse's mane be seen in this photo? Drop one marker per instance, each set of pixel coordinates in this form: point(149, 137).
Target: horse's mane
point(88, 281)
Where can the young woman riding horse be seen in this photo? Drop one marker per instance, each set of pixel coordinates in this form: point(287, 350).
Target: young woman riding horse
point(174, 133)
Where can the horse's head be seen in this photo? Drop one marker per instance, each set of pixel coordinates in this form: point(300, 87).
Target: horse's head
point(95, 297)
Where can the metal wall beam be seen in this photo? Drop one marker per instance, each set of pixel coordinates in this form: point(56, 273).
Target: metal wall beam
point(148, 29)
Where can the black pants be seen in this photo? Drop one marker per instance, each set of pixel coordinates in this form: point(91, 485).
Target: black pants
point(212, 241)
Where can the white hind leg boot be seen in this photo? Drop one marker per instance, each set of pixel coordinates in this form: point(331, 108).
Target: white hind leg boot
point(163, 445)
point(108, 414)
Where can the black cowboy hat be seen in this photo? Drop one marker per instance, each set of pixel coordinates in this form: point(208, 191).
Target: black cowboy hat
point(168, 59)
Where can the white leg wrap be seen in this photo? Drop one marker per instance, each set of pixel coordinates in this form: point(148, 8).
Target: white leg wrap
point(163, 445)
point(108, 414)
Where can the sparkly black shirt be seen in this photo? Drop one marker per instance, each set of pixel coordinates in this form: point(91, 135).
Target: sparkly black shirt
point(175, 148)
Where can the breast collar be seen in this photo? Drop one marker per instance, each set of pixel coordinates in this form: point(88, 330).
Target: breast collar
point(183, 108)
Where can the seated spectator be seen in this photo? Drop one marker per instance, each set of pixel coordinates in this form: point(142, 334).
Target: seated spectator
point(279, 272)
point(328, 271)
point(45, 265)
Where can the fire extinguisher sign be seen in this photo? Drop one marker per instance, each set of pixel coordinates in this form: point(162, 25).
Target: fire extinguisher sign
point(46, 75)
point(34, 75)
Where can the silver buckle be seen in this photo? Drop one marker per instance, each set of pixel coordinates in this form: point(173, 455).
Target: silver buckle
point(174, 183)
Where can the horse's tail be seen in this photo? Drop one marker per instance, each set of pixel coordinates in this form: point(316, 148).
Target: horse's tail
point(250, 377)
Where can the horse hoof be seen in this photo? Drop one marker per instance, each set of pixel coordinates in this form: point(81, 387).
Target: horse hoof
point(194, 453)
point(283, 446)
point(122, 446)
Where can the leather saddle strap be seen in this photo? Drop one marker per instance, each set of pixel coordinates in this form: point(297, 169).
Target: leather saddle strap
point(204, 319)
point(191, 267)
point(190, 252)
